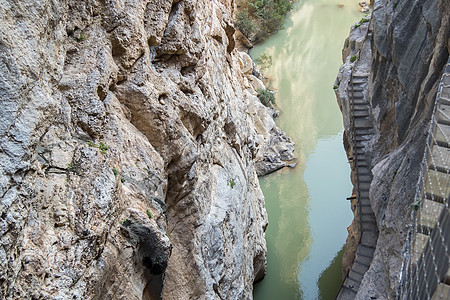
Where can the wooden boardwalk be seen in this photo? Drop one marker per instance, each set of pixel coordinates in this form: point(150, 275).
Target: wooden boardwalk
point(428, 273)
point(362, 128)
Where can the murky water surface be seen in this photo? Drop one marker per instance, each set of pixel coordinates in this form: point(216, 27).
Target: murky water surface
point(308, 213)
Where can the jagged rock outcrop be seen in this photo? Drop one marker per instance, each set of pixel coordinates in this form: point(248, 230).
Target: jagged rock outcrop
point(129, 132)
point(409, 46)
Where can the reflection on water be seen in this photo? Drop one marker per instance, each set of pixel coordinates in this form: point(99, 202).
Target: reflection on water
point(308, 214)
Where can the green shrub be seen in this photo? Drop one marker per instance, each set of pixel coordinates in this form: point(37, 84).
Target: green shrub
point(353, 58)
point(115, 171)
point(264, 61)
point(244, 23)
point(122, 180)
point(266, 97)
point(257, 19)
point(149, 214)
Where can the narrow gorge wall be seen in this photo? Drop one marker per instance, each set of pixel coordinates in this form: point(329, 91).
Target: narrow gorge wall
point(129, 132)
point(408, 47)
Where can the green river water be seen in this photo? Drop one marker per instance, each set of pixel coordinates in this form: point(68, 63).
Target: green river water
point(307, 207)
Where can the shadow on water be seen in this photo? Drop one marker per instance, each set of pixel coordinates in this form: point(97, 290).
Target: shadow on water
point(328, 283)
point(308, 214)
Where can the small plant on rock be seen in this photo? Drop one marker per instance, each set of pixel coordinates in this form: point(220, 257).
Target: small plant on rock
point(115, 171)
point(102, 146)
point(362, 21)
point(149, 214)
point(232, 183)
point(266, 97)
point(81, 37)
point(353, 58)
point(416, 204)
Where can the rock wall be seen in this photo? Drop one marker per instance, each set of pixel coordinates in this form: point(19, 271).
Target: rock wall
point(409, 43)
point(129, 132)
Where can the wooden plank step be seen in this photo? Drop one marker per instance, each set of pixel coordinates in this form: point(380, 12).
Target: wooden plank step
point(418, 245)
point(369, 218)
point(443, 114)
point(365, 251)
point(442, 134)
point(361, 107)
point(442, 292)
point(361, 265)
point(360, 145)
point(369, 226)
point(364, 186)
point(366, 131)
point(445, 101)
point(346, 293)
point(365, 178)
point(360, 75)
point(429, 213)
point(366, 210)
point(360, 102)
point(361, 163)
point(369, 239)
point(362, 138)
point(447, 277)
point(356, 88)
point(359, 80)
point(352, 283)
point(363, 114)
point(446, 79)
point(365, 195)
point(439, 159)
point(434, 198)
point(364, 171)
point(356, 275)
point(445, 93)
point(356, 95)
point(435, 183)
point(363, 123)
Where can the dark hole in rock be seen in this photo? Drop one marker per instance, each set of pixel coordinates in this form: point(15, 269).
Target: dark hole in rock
point(163, 97)
point(101, 93)
point(187, 70)
point(155, 267)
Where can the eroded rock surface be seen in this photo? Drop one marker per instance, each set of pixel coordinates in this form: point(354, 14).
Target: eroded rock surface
point(409, 48)
point(129, 132)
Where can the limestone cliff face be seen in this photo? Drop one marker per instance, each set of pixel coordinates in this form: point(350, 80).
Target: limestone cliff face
point(128, 132)
point(404, 49)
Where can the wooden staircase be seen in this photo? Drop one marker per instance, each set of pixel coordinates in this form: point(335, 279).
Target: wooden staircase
point(362, 128)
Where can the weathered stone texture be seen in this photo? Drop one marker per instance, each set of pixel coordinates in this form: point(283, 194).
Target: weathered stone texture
point(128, 136)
